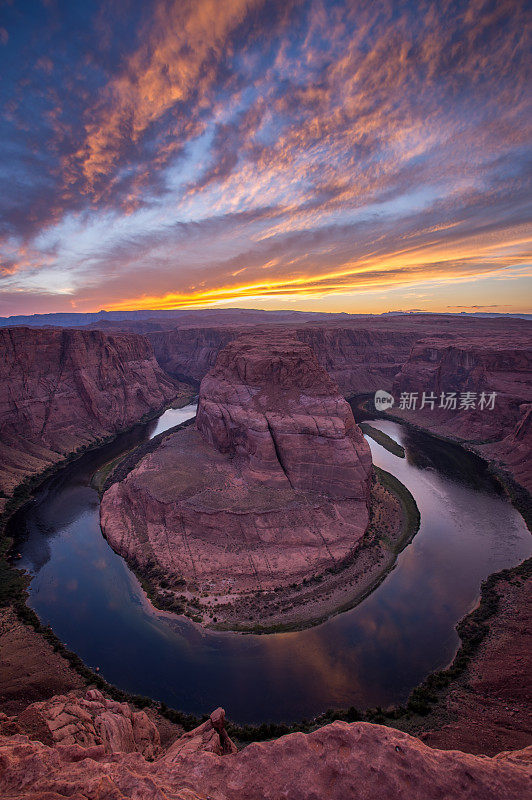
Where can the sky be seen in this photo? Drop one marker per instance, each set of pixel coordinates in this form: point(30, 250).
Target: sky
point(358, 156)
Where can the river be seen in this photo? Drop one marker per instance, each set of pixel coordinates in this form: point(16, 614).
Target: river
point(372, 655)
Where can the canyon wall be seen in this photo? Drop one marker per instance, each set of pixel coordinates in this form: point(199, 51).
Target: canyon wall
point(411, 354)
point(61, 390)
point(357, 359)
point(487, 366)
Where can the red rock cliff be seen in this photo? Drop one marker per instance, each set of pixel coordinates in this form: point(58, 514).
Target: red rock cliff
point(358, 359)
point(63, 389)
point(501, 364)
point(268, 400)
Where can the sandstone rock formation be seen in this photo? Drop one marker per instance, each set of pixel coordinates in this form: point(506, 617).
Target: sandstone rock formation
point(422, 352)
point(514, 452)
point(89, 721)
point(273, 486)
point(269, 402)
point(500, 364)
point(358, 359)
point(359, 761)
point(61, 390)
point(209, 737)
point(92, 720)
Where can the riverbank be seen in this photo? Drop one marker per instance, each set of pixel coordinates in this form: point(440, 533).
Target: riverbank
point(394, 521)
point(476, 704)
point(520, 497)
point(383, 439)
point(117, 468)
point(35, 663)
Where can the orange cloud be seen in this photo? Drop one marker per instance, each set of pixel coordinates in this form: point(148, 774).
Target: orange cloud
point(429, 262)
point(176, 59)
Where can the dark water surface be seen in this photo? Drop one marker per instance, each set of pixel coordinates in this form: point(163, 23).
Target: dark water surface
point(372, 655)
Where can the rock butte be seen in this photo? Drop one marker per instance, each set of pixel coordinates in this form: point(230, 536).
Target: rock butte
point(272, 486)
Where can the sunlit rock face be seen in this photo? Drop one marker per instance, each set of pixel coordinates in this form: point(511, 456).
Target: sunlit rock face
point(269, 402)
point(272, 486)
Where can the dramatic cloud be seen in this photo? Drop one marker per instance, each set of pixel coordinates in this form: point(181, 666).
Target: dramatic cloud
point(336, 155)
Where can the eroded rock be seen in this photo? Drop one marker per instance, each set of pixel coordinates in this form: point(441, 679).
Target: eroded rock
point(89, 721)
point(61, 390)
point(273, 486)
point(357, 761)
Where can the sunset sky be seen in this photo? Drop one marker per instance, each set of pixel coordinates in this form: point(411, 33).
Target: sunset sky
point(356, 156)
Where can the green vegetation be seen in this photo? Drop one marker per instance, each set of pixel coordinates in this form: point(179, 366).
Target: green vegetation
point(12, 581)
point(472, 630)
point(100, 477)
point(383, 439)
point(411, 516)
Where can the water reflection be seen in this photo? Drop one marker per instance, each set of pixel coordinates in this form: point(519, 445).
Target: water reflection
point(372, 655)
point(173, 416)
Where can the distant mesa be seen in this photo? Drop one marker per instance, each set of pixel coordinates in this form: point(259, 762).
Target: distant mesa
point(272, 485)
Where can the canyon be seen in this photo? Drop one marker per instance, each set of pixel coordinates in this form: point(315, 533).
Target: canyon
point(357, 359)
point(64, 390)
point(399, 353)
point(261, 458)
point(501, 365)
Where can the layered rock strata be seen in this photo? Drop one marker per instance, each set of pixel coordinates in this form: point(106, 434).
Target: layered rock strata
point(61, 390)
point(271, 487)
point(91, 720)
point(358, 359)
point(473, 368)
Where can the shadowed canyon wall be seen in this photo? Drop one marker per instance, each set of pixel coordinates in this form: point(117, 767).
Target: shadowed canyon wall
point(61, 390)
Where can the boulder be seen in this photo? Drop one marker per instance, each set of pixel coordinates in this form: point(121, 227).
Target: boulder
point(91, 720)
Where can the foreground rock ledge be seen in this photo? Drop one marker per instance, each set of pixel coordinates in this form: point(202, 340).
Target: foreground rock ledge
point(270, 488)
point(358, 761)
